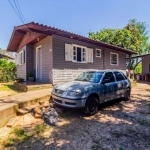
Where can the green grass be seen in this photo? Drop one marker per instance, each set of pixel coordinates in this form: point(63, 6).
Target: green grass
point(9, 142)
point(40, 129)
point(18, 135)
point(8, 87)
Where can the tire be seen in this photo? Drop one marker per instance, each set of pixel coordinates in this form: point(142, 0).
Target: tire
point(127, 94)
point(91, 106)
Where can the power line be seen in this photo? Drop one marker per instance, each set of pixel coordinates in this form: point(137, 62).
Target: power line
point(16, 11)
point(19, 10)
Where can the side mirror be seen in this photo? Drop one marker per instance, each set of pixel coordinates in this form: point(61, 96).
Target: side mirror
point(105, 81)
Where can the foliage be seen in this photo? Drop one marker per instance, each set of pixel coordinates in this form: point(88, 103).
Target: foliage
point(138, 69)
point(7, 70)
point(133, 36)
point(40, 128)
point(30, 74)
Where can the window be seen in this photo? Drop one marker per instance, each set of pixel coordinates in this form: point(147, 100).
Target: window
point(98, 52)
point(119, 76)
point(114, 59)
point(20, 57)
point(93, 77)
point(110, 76)
point(79, 54)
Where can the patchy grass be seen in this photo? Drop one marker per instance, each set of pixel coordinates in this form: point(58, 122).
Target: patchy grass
point(8, 89)
point(40, 129)
point(18, 135)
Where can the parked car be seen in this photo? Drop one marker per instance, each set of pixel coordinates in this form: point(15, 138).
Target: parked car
point(91, 89)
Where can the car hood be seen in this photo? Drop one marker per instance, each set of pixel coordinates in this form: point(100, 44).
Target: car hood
point(73, 85)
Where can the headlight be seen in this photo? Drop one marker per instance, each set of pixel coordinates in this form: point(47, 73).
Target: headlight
point(74, 93)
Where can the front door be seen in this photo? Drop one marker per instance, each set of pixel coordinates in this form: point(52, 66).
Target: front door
point(38, 63)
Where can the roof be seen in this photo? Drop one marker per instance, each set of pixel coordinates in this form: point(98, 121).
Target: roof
point(6, 56)
point(20, 31)
point(139, 56)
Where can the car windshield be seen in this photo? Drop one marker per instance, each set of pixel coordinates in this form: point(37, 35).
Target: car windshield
point(93, 77)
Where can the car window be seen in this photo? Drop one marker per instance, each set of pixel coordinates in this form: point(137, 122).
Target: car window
point(110, 76)
point(93, 77)
point(124, 76)
point(119, 76)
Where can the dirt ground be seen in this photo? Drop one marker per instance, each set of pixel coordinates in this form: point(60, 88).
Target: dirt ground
point(119, 125)
point(7, 89)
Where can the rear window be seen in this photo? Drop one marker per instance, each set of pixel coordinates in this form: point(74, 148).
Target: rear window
point(119, 76)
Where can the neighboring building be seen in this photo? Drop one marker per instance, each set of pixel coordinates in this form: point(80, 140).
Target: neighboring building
point(146, 64)
point(56, 55)
point(9, 58)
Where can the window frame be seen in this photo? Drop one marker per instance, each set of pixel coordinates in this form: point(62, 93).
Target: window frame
point(96, 52)
point(112, 74)
point(82, 47)
point(117, 59)
point(121, 74)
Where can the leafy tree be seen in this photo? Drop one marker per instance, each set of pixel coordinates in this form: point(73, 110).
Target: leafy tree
point(133, 36)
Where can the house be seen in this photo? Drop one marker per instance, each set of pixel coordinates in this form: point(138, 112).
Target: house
point(9, 58)
point(56, 55)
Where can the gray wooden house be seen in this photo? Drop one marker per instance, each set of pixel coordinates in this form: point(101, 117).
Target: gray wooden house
point(56, 55)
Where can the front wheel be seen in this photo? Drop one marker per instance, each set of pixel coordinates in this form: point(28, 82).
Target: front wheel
point(91, 106)
point(127, 94)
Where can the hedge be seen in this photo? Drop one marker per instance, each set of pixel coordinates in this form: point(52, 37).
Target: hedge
point(7, 71)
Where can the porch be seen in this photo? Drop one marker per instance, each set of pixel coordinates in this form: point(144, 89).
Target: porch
point(30, 86)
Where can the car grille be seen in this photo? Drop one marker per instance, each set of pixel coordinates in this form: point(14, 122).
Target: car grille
point(57, 91)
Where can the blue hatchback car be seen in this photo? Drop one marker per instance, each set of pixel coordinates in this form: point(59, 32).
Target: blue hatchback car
point(92, 88)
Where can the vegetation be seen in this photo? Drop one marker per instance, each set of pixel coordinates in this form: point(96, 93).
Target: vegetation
point(138, 69)
point(40, 129)
point(7, 71)
point(17, 135)
point(133, 36)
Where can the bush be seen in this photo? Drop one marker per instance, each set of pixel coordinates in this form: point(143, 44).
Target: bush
point(7, 71)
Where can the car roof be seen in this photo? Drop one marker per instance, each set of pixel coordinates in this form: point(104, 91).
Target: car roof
point(103, 71)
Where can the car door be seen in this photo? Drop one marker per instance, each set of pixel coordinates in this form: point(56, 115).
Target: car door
point(108, 87)
point(121, 84)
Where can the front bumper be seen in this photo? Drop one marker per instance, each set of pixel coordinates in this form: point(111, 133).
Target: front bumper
point(68, 102)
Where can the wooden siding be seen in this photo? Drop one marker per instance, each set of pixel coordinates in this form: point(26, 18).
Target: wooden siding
point(145, 64)
point(102, 62)
point(122, 60)
point(46, 46)
point(59, 55)
point(21, 69)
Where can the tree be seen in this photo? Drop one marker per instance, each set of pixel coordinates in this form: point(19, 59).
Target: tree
point(133, 36)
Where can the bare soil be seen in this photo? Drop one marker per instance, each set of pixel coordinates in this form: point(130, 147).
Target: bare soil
point(119, 125)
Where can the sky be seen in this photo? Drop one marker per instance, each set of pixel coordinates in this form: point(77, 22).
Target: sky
point(78, 16)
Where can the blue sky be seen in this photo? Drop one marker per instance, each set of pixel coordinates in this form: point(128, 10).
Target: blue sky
point(78, 16)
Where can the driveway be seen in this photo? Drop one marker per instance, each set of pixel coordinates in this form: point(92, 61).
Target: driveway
point(119, 125)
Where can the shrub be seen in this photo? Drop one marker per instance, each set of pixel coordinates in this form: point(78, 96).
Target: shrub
point(7, 71)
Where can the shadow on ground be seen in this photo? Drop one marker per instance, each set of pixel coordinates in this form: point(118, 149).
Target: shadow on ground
point(118, 125)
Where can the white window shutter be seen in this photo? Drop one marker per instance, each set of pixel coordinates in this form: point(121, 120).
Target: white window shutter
point(90, 55)
point(68, 52)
